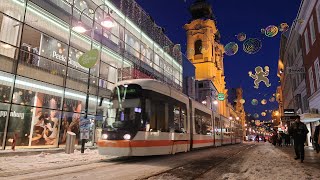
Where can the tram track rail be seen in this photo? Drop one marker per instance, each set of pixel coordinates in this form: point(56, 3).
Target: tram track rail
point(113, 163)
point(194, 169)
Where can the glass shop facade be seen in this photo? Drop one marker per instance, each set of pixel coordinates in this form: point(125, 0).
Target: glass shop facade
point(43, 88)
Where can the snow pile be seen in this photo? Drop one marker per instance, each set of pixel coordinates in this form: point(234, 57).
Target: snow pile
point(268, 162)
point(46, 161)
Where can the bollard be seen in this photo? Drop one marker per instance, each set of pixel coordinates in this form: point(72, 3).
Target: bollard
point(71, 138)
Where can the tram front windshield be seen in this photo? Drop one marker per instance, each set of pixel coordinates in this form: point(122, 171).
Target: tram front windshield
point(125, 115)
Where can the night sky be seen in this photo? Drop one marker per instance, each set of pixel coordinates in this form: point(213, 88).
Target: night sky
point(233, 17)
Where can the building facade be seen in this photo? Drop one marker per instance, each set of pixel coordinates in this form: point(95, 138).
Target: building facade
point(310, 32)
point(204, 49)
point(301, 91)
point(43, 88)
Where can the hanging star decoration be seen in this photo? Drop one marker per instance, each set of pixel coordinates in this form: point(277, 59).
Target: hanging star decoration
point(260, 76)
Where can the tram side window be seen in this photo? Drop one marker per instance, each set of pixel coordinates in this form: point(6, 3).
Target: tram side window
point(179, 119)
point(198, 123)
point(203, 123)
point(155, 112)
point(206, 127)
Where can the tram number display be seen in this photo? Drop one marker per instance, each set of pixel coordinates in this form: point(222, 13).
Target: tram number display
point(132, 91)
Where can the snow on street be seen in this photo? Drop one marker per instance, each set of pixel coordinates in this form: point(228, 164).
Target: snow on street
point(268, 162)
point(15, 165)
point(244, 161)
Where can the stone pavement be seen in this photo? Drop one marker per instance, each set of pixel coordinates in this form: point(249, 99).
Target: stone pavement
point(312, 158)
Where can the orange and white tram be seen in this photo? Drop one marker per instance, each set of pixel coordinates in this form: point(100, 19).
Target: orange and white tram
point(148, 117)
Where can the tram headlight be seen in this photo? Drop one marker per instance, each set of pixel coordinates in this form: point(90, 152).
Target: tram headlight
point(104, 136)
point(127, 136)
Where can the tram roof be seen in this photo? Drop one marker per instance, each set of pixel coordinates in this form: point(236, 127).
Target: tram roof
point(157, 86)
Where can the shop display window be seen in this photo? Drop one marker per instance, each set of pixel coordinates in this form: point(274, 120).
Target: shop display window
point(4, 111)
point(6, 82)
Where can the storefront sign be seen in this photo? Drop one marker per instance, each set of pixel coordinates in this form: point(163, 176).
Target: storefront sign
point(288, 112)
point(89, 59)
point(295, 70)
point(84, 128)
point(12, 114)
point(53, 49)
point(221, 97)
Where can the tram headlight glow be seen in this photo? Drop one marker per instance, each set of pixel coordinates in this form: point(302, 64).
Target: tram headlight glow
point(104, 136)
point(127, 136)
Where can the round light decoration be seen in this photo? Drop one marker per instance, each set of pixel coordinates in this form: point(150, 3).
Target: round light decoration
point(242, 101)
point(272, 99)
point(271, 31)
point(254, 102)
point(241, 37)
point(256, 115)
point(263, 114)
point(263, 101)
point(252, 45)
point(284, 27)
point(231, 48)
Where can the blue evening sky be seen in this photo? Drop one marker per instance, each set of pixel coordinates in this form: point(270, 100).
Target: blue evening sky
point(233, 17)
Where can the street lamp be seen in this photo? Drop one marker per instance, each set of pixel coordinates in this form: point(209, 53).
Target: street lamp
point(91, 57)
point(230, 118)
point(107, 22)
point(215, 102)
point(237, 118)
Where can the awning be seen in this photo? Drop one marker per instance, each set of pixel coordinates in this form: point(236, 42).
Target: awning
point(309, 117)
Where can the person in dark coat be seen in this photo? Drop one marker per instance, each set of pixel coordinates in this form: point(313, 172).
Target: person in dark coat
point(287, 140)
point(299, 132)
point(316, 138)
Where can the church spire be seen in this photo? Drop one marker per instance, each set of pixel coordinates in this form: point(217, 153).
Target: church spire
point(201, 9)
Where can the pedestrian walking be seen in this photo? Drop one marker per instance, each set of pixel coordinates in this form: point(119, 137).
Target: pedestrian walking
point(274, 138)
point(287, 140)
point(257, 138)
point(279, 139)
point(299, 132)
point(316, 138)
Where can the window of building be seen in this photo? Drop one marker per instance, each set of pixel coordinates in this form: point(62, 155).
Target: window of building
point(317, 72)
point(311, 81)
point(312, 30)
point(318, 16)
point(305, 103)
point(198, 47)
point(306, 40)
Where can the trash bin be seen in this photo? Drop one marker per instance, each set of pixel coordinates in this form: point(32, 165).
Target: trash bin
point(71, 138)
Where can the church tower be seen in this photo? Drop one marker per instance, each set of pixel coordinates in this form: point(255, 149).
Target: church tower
point(204, 49)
